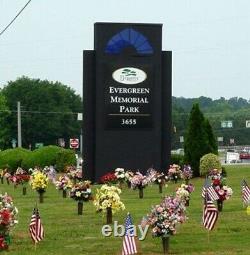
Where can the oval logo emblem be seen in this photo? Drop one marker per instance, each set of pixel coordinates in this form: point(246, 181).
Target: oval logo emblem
point(129, 75)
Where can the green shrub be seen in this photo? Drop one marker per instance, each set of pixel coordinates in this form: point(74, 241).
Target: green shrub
point(223, 172)
point(208, 162)
point(65, 158)
point(177, 159)
point(13, 158)
point(49, 155)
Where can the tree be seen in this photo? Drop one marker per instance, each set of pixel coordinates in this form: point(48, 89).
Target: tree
point(196, 140)
point(212, 143)
point(5, 139)
point(49, 110)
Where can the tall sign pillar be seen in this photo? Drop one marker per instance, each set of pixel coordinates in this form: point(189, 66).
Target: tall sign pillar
point(127, 100)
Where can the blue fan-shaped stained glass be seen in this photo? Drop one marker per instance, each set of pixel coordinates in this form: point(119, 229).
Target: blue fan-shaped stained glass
point(128, 37)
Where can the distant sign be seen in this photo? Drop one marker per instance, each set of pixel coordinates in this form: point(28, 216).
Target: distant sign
point(61, 142)
point(74, 143)
point(181, 139)
point(227, 124)
point(231, 140)
point(220, 138)
point(38, 145)
point(79, 116)
point(247, 123)
point(14, 141)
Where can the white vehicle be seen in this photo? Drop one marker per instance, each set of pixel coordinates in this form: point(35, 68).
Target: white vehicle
point(232, 157)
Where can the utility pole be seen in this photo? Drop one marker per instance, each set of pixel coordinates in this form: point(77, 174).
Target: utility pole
point(19, 131)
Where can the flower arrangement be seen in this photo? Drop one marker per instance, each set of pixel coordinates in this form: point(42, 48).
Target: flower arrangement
point(63, 183)
point(184, 191)
point(39, 182)
point(8, 219)
point(223, 191)
point(187, 173)
point(108, 178)
point(20, 177)
point(157, 177)
point(128, 176)
point(120, 174)
point(7, 176)
point(139, 181)
point(81, 191)
point(164, 218)
point(51, 173)
point(219, 183)
point(73, 173)
point(108, 200)
point(174, 172)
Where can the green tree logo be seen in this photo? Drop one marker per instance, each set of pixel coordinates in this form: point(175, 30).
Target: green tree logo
point(128, 72)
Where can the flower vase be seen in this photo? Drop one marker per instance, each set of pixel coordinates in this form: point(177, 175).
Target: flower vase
point(120, 184)
point(187, 203)
point(109, 215)
point(165, 244)
point(129, 184)
point(4, 242)
point(160, 186)
point(40, 196)
point(186, 181)
point(219, 205)
point(2, 180)
point(24, 191)
point(8, 182)
point(140, 192)
point(64, 193)
point(80, 207)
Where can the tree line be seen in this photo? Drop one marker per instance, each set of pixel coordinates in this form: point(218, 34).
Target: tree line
point(49, 112)
point(235, 109)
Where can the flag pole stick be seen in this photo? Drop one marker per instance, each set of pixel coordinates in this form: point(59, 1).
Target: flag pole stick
point(208, 239)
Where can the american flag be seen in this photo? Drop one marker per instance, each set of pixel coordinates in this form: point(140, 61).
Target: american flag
point(210, 213)
point(129, 246)
point(245, 192)
point(207, 187)
point(36, 228)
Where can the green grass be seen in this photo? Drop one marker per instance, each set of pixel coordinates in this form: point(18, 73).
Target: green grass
point(67, 233)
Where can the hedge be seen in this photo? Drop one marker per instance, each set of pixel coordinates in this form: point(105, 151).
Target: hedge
point(13, 158)
point(45, 156)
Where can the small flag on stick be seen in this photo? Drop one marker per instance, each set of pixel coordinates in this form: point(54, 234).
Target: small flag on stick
point(245, 190)
point(210, 213)
point(207, 187)
point(36, 227)
point(129, 246)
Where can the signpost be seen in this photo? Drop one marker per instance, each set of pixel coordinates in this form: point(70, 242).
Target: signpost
point(38, 145)
point(74, 143)
point(126, 99)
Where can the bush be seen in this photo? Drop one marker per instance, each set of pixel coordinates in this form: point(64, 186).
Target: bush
point(50, 155)
point(65, 158)
point(177, 159)
point(208, 162)
point(13, 158)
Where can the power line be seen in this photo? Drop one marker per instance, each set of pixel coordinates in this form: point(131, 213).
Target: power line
point(15, 18)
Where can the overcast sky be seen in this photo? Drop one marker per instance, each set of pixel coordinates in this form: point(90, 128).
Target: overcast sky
point(210, 40)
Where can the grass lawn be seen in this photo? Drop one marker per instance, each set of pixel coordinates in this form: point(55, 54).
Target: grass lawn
point(67, 233)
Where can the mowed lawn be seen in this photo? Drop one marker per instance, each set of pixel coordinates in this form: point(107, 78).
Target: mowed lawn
point(67, 233)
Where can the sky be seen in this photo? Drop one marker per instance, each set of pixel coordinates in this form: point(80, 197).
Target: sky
point(210, 40)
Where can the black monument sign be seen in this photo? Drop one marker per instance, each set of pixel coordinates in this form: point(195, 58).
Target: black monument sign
point(127, 100)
